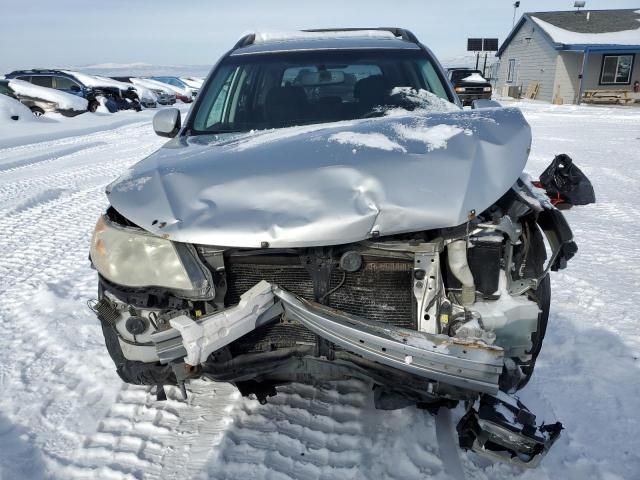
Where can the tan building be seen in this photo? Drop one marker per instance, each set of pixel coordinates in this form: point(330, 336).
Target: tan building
point(572, 56)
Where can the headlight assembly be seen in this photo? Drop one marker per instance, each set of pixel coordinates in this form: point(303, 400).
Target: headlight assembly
point(486, 89)
point(134, 258)
point(460, 89)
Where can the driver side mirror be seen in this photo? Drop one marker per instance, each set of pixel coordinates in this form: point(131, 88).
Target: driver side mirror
point(74, 88)
point(167, 122)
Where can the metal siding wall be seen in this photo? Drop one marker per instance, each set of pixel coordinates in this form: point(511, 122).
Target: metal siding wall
point(535, 61)
point(567, 70)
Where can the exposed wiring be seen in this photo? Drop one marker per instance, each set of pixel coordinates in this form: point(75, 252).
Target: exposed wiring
point(336, 288)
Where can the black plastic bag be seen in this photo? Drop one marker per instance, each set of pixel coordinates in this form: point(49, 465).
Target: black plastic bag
point(565, 182)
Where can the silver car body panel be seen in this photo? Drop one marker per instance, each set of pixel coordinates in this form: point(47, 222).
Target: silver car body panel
point(326, 184)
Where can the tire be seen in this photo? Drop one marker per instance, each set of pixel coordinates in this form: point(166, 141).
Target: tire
point(132, 371)
point(37, 111)
point(93, 106)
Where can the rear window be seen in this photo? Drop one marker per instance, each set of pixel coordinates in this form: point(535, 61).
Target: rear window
point(279, 90)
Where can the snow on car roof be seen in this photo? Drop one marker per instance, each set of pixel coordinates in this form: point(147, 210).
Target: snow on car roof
point(266, 37)
point(97, 81)
point(567, 37)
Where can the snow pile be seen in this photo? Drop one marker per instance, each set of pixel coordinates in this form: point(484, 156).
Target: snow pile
point(11, 108)
point(63, 100)
point(560, 35)
point(94, 81)
point(371, 140)
point(256, 138)
point(433, 137)
point(419, 102)
point(475, 78)
point(266, 37)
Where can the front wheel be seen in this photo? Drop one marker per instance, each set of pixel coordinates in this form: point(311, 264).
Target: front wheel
point(93, 106)
point(37, 111)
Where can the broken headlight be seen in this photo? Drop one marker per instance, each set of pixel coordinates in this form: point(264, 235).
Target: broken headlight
point(134, 258)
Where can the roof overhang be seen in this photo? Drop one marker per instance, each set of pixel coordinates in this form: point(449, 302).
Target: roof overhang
point(610, 48)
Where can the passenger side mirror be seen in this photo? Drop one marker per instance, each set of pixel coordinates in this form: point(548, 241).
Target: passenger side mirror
point(74, 88)
point(167, 122)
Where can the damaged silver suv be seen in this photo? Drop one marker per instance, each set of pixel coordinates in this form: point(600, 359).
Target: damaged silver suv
point(327, 211)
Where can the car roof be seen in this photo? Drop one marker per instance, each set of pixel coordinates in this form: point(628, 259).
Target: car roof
point(326, 39)
point(40, 71)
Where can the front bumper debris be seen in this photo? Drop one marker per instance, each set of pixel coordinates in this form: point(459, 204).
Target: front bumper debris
point(496, 425)
point(503, 429)
point(466, 364)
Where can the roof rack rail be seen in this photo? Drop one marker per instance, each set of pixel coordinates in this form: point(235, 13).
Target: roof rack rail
point(245, 41)
point(402, 33)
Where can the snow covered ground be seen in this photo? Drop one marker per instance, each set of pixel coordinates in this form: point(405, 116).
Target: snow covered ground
point(65, 414)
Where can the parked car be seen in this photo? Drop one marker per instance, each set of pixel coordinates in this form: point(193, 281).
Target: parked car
point(194, 83)
point(42, 99)
point(328, 210)
point(123, 95)
point(165, 96)
point(469, 84)
point(59, 80)
point(6, 90)
point(182, 91)
point(148, 97)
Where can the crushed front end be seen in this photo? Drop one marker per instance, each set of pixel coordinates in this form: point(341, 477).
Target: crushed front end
point(433, 317)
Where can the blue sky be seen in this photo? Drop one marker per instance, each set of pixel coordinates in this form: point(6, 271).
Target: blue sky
point(41, 33)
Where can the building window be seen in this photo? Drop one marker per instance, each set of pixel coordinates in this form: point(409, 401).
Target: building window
point(511, 70)
point(616, 69)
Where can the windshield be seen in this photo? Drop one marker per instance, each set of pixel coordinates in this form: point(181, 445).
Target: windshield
point(457, 75)
point(296, 88)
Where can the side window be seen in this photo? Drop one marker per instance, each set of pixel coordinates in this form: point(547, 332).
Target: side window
point(511, 70)
point(26, 78)
point(42, 80)
point(64, 83)
point(212, 112)
point(434, 84)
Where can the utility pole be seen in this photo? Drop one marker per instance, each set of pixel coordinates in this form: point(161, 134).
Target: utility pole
point(515, 7)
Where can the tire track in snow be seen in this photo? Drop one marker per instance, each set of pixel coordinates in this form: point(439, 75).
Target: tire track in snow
point(326, 432)
point(54, 361)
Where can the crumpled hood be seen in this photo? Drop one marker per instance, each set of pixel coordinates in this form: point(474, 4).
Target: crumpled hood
point(326, 184)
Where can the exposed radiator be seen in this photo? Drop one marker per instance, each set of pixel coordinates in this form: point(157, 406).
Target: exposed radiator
point(381, 290)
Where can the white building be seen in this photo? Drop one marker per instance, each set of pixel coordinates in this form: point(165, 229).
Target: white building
point(571, 55)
